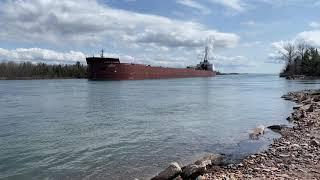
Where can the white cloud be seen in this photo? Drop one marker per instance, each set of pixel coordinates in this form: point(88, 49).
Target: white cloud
point(195, 5)
point(237, 5)
point(314, 24)
point(161, 41)
point(249, 23)
point(37, 55)
point(243, 5)
point(286, 3)
point(274, 58)
point(86, 21)
point(41, 55)
point(278, 46)
point(232, 61)
point(251, 44)
point(312, 37)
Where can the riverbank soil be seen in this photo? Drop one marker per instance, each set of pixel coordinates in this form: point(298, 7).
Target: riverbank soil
point(296, 155)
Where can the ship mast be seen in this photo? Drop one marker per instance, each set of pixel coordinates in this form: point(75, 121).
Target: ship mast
point(206, 54)
point(209, 47)
point(102, 53)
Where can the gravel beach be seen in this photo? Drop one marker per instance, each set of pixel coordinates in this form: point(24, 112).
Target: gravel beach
point(296, 155)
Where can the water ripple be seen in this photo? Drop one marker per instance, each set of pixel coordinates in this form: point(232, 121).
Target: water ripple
point(79, 129)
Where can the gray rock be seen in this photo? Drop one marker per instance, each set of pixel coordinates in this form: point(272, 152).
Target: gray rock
point(315, 93)
point(277, 127)
point(169, 173)
point(287, 97)
point(284, 155)
point(192, 171)
point(283, 175)
point(308, 108)
point(266, 170)
point(256, 169)
point(297, 107)
point(316, 98)
point(295, 146)
point(257, 132)
point(210, 159)
point(200, 178)
point(178, 178)
point(314, 142)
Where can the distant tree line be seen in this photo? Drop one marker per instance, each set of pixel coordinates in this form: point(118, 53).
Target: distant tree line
point(28, 70)
point(301, 59)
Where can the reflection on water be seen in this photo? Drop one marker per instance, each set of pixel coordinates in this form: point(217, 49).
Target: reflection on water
point(74, 129)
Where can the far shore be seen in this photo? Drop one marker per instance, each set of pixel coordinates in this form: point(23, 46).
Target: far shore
point(219, 73)
point(36, 78)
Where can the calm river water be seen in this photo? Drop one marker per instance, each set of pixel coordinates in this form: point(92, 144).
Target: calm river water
point(79, 129)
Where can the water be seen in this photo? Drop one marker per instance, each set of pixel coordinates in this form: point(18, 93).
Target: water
point(79, 129)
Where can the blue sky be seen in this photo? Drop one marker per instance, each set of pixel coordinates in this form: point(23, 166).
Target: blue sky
point(245, 33)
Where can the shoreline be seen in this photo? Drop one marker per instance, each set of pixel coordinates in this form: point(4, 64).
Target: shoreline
point(295, 155)
point(299, 77)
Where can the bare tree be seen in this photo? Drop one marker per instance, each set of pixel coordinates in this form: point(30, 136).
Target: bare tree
point(288, 52)
point(302, 47)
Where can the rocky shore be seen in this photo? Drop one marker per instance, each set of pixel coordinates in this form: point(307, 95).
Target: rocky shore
point(296, 155)
point(300, 77)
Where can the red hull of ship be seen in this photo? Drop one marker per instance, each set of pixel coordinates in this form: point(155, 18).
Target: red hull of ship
point(124, 71)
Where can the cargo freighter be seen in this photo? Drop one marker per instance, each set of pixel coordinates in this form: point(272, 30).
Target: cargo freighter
point(104, 68)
